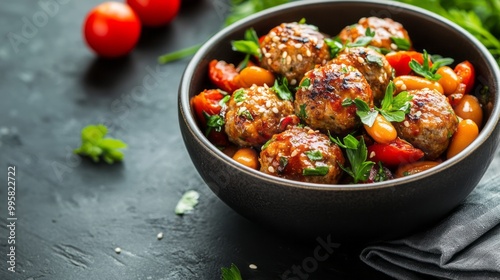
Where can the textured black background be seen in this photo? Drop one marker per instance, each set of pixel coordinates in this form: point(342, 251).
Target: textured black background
point(73, 213)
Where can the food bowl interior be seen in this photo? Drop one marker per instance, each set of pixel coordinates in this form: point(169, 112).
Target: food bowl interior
point(427, 31)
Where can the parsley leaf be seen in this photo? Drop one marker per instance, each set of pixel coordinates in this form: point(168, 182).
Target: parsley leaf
point(231, 273)
point(315, 171)
point(427, 71)
point(357, 153)
point(280, 87)
point(239, 96)
point(95, 146)
point(335, 46)
point(302, 112)
point(314, 155)
point(363, 41)
point(393, 108)
point(249, 46)
point(401, 43)
point(305, 83)
point(214, 122)
point(187, 202)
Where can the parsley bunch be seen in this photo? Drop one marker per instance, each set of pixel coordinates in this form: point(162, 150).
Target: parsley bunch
point(95, 146)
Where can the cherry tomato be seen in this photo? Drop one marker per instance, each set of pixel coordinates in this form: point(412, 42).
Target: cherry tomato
point(449, 79)
point(207, 101)
point(224, 75)
point(470, 108)
point(467, 131)
point(155, 13)
point(465, 71)
point(394, 153)
point(112, 29)
point(409, 82)
point(247, 157)
point(382, 131)
point(255, 75)
point(400, 61)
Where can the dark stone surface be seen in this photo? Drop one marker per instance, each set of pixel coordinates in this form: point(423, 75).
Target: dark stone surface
point(73, 213)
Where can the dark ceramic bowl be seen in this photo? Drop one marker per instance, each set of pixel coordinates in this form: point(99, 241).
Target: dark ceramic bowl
point(369, 212)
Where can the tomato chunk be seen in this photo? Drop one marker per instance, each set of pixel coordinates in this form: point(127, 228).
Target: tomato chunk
point(400, 61)
point(207, 101)
point(224, 75)
point(394, 153)
point(467, 74)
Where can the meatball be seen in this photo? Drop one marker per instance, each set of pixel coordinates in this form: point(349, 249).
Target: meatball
point(384, 29)
point(292, 49)
point(372, 64)
point(430, 123)
point(321, 93)
point(254, 114)
point(302, 154)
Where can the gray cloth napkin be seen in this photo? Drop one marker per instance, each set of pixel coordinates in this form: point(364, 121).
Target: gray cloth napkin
point(465, 245)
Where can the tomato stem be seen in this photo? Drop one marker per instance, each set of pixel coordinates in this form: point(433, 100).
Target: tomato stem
point(176, 55)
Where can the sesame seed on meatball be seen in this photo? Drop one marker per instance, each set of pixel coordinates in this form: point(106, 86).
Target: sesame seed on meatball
point(384, 29)
point(291, 49)
point(302, 154)
point(430, 123)
point(254, 114)
point(322, 91)
point(372, 64)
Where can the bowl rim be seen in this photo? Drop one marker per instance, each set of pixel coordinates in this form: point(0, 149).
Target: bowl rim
point(189, 117)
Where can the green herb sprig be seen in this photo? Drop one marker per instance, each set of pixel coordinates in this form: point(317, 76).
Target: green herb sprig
point(95, 146)
point(280, 87)
point(231, 273)
point(357, 154)
point(393, 108)
point(427, 71)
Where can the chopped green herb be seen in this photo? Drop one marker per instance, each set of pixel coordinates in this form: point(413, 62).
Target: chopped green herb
point(315, 171)
point(283, 162)
point(246, 114)
point(302, 21)
point(357, 153)
point(187, 202)
point(305, 83)
point(224, 100)
point(231, 273)
point(95, 146)
point(335, 46)
point(266, 144)
point(363, 41)
point(302, 113)
point(239, 95)
point(214, 122)
point(401, 43)
point(375, 59)
point(314, 155)
point(280, 87)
